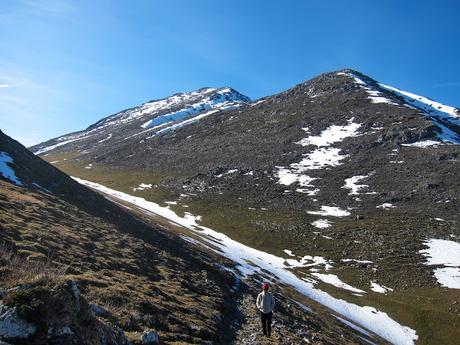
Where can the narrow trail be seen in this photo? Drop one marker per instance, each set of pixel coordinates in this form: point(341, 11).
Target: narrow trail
point(250, 330)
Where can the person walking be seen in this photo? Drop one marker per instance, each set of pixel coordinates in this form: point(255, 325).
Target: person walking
point(265, 303)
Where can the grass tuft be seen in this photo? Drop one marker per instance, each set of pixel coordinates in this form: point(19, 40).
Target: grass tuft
point(16, 269)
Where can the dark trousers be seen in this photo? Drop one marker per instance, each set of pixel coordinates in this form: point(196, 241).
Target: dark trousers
point(266, 320)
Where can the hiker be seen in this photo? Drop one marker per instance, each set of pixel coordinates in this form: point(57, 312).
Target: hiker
point(265, 303)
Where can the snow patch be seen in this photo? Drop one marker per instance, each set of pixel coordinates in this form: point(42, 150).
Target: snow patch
point(440, 114)
point(321, 223)
point(6, 170)
point(386, 206)
point(448, 277)
point(330, 211)
point(231, 171)
point(444, 253)
point(379, 288)
point(108, 138)
point(332, 134)
point(352, 184)
point(309, 261)
point(323, 156)
point(358, 261)
point(143, 186)
point(374, 95)
point(52, 147)
point(186, 122)
point(332, 279)
point(424, 144)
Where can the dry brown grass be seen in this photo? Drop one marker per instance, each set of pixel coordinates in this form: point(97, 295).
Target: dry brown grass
point(18, 269)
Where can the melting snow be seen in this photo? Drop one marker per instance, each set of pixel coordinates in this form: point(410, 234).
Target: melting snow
point(386, 205)
point(52, 147)
point(332, 279)
point(143, 186)
point(310, 261)
point(379, 288)
point(321, 223)
point(323, 156)
point(330, 211)
point(332, 134)
point(5, 169)
point(439, 113)
point(225, 99)
point(320, 158)
point(231, 171)
point(423, 144)
point(287, 177)
point(448, 277)
point(108, 138)
point(258, 102)
point(444, 253)
point(253, 261)
point(186, 122)
point(374, 95)
point(358, 261)
point(288, 252)
point(352, 184)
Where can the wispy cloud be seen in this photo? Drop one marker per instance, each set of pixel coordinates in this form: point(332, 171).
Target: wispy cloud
point(7, 82)
point(51, 7)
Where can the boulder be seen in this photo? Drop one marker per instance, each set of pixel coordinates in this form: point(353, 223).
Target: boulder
point(149, 337)
point(12, 326)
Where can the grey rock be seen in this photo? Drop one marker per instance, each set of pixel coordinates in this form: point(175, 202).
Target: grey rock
point(13, 326)
point(149, 337)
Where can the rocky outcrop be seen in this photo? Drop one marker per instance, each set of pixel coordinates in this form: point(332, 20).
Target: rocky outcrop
point(12, 326)
point(54, 314)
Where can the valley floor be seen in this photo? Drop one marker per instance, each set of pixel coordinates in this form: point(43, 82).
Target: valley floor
point(259, 266)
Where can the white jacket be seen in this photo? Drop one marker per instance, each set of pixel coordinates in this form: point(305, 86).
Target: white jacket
point(265, 302)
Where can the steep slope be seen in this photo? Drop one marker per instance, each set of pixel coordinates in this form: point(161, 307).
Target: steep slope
point(132, 269)
point(74, 265)
point(341, 168)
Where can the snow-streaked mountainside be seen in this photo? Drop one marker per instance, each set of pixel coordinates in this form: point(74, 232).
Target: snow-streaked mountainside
point(443, 116)
point(156, 117)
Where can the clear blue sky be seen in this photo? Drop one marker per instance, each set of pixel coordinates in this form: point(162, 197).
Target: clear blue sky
point(66, 64)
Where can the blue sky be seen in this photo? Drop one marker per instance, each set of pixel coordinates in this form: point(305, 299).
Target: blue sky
point(66, 64)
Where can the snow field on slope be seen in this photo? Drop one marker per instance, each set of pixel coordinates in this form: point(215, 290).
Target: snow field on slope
point(331, 211)
point(324, 156)
point(204, 99)
point(374, 95)
point(379, 288)
point(321, 224)
point(332, 279)
point(440, 114)
point(444, 253)
point(352, 184)
point(225, 100)
point(6, 170)
point(252, 261)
